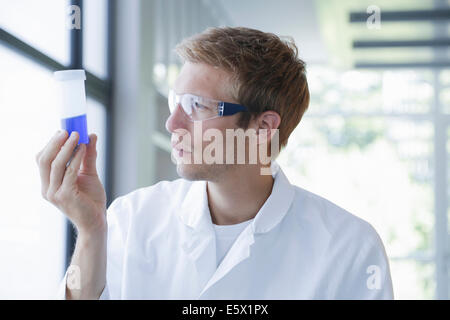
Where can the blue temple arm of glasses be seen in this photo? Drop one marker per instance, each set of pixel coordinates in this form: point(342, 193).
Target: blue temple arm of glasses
point(228, 108)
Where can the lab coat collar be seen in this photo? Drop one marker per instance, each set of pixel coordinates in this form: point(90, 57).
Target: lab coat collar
point(277, 204)
point(195, 211)
point(194, 208)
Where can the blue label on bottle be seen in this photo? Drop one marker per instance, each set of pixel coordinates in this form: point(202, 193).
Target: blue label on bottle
point(78, 124)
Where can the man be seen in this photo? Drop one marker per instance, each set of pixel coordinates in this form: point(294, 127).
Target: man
point(225, 229)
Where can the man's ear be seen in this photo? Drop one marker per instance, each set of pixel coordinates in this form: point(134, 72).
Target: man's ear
point(268, 123)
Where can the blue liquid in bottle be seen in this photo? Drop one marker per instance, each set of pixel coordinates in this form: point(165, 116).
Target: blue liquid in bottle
point(78, 124)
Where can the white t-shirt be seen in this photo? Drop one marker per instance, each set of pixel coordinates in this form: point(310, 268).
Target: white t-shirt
point(226, 235)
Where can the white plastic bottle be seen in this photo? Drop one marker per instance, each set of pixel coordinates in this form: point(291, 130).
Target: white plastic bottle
point(73, 102)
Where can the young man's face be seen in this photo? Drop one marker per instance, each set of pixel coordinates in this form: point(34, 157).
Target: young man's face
point(206, 81)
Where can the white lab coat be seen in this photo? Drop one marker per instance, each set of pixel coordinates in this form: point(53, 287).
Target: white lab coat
point(161, 245)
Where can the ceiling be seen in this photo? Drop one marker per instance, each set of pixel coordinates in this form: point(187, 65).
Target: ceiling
point(324, 33)
point(295, 18)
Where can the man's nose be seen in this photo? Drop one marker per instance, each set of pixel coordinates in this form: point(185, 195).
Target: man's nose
point(177, 119)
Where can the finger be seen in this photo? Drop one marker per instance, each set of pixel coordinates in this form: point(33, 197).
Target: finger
point(71, 174)
point(46, 157)
point(88, 163)
point(58, 166)
point(38, 155)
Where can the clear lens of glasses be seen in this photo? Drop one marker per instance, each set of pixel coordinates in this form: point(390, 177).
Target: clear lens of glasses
point(197, 108)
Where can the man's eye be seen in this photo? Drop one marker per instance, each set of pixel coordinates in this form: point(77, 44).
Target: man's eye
point(199, 106)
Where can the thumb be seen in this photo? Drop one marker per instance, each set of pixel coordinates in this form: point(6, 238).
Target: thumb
point(88, 165)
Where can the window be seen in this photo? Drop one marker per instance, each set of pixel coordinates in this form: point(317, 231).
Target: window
point(31, 230)
point(369, 149)
point(41, 24)
point(34, 42)
point(95, 40)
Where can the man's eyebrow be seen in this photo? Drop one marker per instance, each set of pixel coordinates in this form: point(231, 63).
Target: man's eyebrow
point(196, 93)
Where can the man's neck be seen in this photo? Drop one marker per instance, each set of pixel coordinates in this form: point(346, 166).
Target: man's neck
point(239, 196)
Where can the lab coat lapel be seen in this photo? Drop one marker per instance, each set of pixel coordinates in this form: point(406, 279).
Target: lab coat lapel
point(201, 249)
point(238, 252)
point(198, 239)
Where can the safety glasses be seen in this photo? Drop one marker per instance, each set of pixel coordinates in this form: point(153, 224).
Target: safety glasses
point(199, 108)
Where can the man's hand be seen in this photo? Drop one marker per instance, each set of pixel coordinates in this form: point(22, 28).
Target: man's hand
point(76, 189)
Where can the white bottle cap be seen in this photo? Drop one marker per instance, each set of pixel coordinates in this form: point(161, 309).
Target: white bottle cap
point(72, 92)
